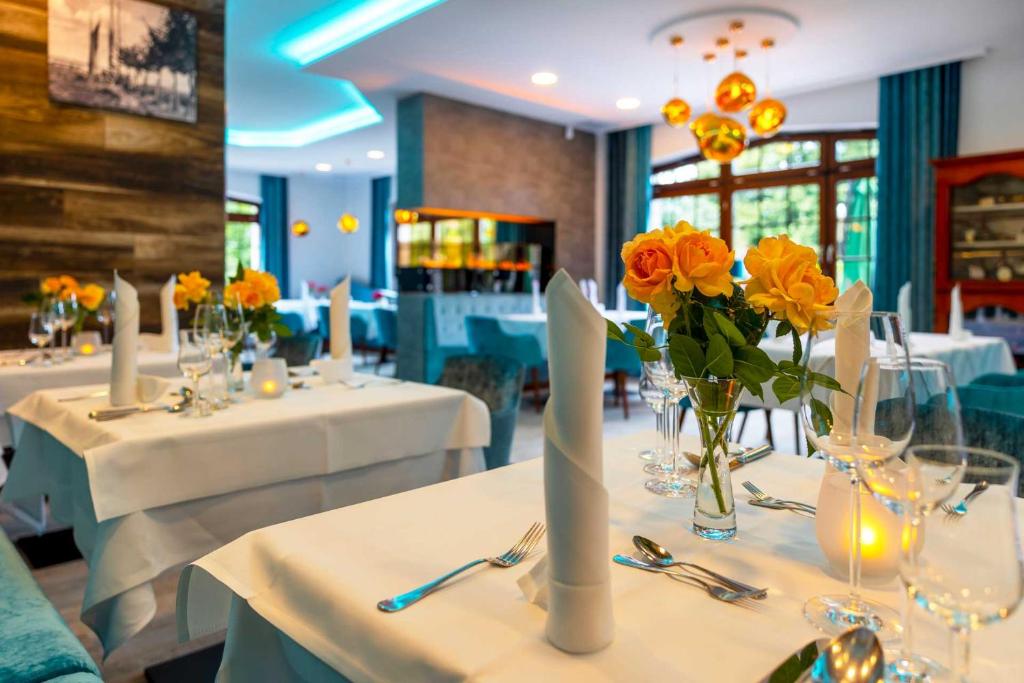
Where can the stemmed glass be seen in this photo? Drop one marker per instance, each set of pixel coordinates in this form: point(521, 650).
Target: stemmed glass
point(896, 407)
point(211, 326)
point(105, 315)
point(827, 395)
point(968, 566)
point(40, 332)
point(194, 362)
point(661, 372)
point(655, 398)
point(68, 318)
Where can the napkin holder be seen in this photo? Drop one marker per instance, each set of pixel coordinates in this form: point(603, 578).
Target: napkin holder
point(269, 377)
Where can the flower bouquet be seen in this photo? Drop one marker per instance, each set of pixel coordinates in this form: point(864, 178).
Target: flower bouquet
point(253, 293)
point(67, 288)
point(714, 324)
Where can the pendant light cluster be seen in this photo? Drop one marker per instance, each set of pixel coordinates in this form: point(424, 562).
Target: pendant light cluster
point(719, 136)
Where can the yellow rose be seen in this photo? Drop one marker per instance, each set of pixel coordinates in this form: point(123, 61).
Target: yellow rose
point(648, 279)
point(196, 286)
point(50, 285)
point(180, 297)
point(787, 280)
point(702, 261)
point(91, 296)
point(68, 282)
point(678, 230)
point(265, 284)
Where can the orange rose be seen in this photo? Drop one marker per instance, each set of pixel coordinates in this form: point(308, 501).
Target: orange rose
point(787, 280)
point(50, 285)
point(90, 296)
point(68, 282)
point(648, 279)
point(263, 283)
point(702, 261)
point(196, 286)
point(180, 297)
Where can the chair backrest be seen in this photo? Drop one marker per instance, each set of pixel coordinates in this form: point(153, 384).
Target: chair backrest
point(299, 349)
point(495, 380)
point(358, 329)
point(484, 335)
point(619, 357)
point(294, 322)
point(323, 321)
point(387, 327)
point(1003, 398)
point(997, 431)
point(997, 379)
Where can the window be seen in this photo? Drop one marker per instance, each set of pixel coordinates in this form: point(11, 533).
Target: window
point(241, 236)
point(819, 188)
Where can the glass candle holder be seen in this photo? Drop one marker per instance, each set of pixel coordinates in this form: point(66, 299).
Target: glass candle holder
point(87, 343)
point(269, 377)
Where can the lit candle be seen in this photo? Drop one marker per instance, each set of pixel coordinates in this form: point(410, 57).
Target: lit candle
point(87, 349)
point(86, 343)
point(269, 387)
point(269, 377)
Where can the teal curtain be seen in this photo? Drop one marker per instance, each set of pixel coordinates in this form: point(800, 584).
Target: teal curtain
point(274, 228)
point(918, 117)
point(629, 198)
point(380, 232)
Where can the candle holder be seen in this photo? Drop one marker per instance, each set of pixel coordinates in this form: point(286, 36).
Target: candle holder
point(87, 343)
point(269, 377)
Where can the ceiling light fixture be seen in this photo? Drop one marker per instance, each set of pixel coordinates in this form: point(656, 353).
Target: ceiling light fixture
point(323, 167)
point(544, 78)
point(375, 154)
point(627, 103)
point(344, 24)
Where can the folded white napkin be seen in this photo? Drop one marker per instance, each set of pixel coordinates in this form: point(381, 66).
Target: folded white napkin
point(124, 358)
point(903, 308)
point(341, 336)
point(620, 298)
point(576, 502)
point(956, 315)
point(853, 347)
point(535, 291)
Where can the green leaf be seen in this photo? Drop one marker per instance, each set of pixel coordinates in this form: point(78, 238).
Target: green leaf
point(782, 328)
point(687, 356)
point(754, 363)
point(280, 329)
point(751, 384)
point(614, 332)
point(727, 328)
point(797, 347)
point(647, 354)
point(822, 416)
point(786, 388)
point(825, 381)
point(719, 359)
point(641, 338)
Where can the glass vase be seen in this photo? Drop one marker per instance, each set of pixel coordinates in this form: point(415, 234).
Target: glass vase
point(235, 375)
point(714, 403)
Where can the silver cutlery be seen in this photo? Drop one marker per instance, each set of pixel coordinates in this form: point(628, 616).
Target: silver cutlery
point(660, 556)
point(370, 382)
point(714, 590)
point(764, 500)
point(793, 667)
point(510, 558)
point(105, 415)
point(854, 657)
point(803, 512)
point(744, 457)
point(960, 509)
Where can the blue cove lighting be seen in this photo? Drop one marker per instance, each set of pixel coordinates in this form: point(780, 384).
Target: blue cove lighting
point(344, 24)
point(357, 114)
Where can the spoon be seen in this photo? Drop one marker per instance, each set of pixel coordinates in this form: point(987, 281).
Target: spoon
point(715, 591)
point(854, 657)
point(663, 558)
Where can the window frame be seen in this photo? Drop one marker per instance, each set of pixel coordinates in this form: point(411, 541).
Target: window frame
point(230, 217)
point(825, 174)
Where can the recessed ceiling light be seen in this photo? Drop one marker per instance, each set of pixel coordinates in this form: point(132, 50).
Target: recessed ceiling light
point(323, 167)
point(544, 78)
point(627, 103)
point(375, 154)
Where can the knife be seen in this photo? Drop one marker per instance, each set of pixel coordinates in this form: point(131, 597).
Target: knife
point(797, 664)
point(748, 456)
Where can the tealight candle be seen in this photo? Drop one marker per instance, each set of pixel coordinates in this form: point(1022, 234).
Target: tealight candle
point(86, 343)
point(269, 377)
point(880, 530)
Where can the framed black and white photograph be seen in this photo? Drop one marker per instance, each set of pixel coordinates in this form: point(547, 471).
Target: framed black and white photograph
point(125, 55)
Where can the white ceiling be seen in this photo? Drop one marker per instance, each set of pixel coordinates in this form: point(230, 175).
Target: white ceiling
point(484, 51)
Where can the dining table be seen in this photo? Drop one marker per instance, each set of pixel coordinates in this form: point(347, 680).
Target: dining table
point(153, 490)
point(536, 323)
point(299, 599)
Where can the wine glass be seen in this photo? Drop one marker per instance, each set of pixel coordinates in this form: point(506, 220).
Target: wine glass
point(827, 395)
point(210, 324)
point(68, 319)
point(661, 372)
point(105, 315)
point(194, 362)
point(655, 398)
point(897, 406)
point(40, 332)
point(967, 569)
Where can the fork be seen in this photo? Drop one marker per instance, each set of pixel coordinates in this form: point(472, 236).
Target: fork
point(717, 592)
point(510, 558)
point(765, 499)
point(960, 509)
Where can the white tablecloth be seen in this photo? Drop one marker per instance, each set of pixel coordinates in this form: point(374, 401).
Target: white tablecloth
point(17, 382)
point(536, 324)
point(302, 595)
point(149, 492)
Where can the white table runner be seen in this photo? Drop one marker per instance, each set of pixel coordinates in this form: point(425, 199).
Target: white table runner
point(316, 581)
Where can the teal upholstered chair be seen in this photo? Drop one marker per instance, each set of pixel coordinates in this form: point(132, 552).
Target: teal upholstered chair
point(498, 382)
point(387, 333)
point(997, 431)
point(996, 379)
point(1007, 399)
point(487, 338)
point(620, 363)
point(323, 322)
point(294, 322)
point(35, 643)
point(299, 349)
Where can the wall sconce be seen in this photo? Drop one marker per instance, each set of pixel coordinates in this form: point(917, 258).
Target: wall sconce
point(348, 223)
point(405, 216)
point(300, 228)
